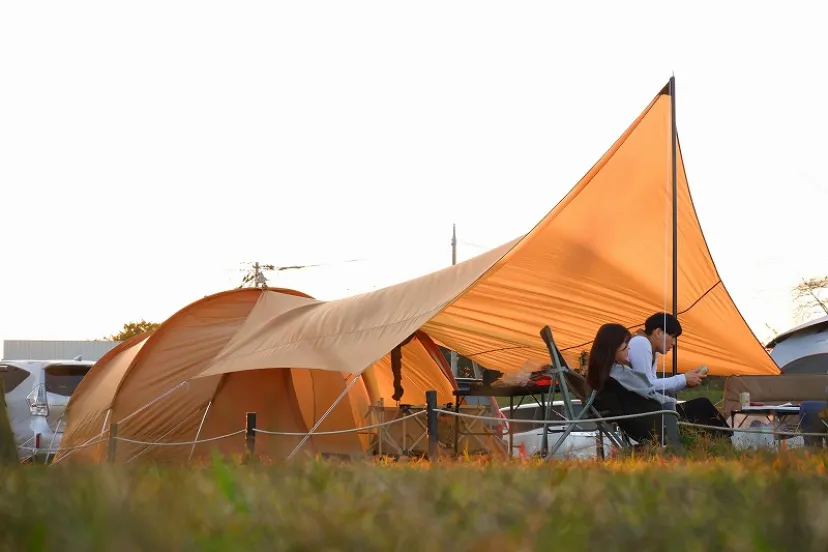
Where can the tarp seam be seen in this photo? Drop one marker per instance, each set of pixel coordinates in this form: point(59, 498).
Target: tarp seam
point(630, 327)
point(498, 350)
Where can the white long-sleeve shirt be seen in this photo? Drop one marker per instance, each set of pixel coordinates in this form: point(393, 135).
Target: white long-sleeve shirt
point(643, 360)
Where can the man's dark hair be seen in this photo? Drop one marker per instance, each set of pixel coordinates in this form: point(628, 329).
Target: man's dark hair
point(665, 321)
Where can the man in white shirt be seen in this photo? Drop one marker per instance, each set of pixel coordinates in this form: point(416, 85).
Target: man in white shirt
point(660, 333)
point(658, 337)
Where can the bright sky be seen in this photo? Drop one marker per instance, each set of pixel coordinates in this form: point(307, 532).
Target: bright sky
point(148, 149)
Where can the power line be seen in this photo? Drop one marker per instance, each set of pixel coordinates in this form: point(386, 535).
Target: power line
point(256, 274)
point(476, 245)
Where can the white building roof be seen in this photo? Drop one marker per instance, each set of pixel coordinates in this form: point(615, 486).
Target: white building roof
point(55, 350)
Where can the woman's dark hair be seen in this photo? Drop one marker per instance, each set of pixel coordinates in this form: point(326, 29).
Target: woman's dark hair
point(602, 355)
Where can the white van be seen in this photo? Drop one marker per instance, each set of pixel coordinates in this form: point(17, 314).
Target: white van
point(37, 392)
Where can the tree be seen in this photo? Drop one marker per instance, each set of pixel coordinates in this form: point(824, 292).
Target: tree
point(811, 298)
point(465, 368)
point(8, 447)
point(131, 329)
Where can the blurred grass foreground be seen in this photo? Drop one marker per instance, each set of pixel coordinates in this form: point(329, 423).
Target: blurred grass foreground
point(756, 502)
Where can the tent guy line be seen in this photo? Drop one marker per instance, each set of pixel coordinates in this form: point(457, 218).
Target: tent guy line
point(639, 324)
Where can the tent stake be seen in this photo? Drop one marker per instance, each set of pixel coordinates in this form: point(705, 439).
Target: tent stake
point(113, 436)
point(325, 415)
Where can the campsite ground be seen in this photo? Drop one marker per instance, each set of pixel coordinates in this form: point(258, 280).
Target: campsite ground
point(701, 502)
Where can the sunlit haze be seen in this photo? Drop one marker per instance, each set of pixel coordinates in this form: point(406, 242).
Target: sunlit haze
point(149, 150)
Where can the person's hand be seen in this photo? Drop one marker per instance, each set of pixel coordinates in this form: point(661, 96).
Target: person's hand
point(693, 378)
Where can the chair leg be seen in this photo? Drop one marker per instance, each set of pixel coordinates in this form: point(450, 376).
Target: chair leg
point(612, 431)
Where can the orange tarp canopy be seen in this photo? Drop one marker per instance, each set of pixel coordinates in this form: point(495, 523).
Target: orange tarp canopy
point(603, 254)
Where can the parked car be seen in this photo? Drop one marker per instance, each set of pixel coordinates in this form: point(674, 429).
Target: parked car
point(37, 392)
point(528, 432)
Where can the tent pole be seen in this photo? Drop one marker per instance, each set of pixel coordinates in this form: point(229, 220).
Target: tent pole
point(325, 415)
point(99, 436)
point(198, 433)
point(673, 139)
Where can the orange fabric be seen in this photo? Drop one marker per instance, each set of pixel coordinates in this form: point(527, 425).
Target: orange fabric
point(603, 254)
point(347, 335)
point(145, 386)
point(87, 414)
point(316, 391)
point(270, 394)
point(420, 372)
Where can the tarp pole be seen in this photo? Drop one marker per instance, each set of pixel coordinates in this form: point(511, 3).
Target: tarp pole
point(673, 135)
point(453, 357)
point(325, 415)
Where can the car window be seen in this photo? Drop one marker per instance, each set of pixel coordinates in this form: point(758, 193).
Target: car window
point(476, 400)
point(523, 417)
point(12, 376)
point(535, 412)
point(63, 379)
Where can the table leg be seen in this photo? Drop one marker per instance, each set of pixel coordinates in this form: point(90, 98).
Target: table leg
point(456, 427)
point(545, 434)
point(511, 419)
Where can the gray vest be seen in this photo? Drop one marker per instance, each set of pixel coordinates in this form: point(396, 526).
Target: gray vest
point(639, 384)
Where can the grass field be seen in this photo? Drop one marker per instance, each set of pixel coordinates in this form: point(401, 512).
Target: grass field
point(751, 503)
point(714, 395)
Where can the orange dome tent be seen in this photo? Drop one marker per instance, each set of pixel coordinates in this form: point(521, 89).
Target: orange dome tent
point(145, 385)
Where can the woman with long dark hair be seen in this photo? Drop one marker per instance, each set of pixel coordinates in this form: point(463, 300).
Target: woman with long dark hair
point(622, 391)
point(608, 348)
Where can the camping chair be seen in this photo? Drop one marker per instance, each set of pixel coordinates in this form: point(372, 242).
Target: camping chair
point(581, 390)
point(812, 420)
point(569, 380)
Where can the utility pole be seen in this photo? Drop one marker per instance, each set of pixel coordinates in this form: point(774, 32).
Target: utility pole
point(454, 262)
point(453, 244)
point(259, 279)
